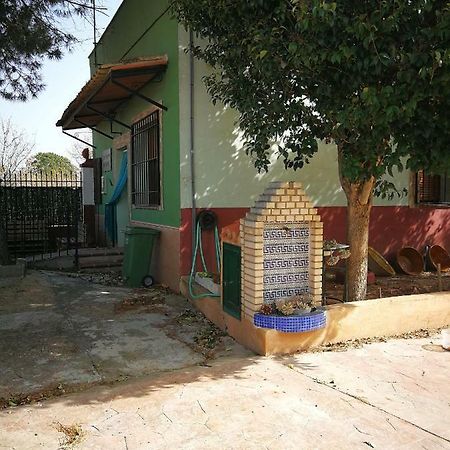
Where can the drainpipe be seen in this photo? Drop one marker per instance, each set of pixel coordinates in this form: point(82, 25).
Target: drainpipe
point(191, 137)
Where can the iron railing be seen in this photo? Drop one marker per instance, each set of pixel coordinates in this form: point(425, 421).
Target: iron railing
point(41, 214)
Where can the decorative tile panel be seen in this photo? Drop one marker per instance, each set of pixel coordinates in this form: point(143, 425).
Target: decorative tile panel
point(286, 260)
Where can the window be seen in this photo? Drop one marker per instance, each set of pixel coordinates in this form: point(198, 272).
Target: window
point(433, 189)
point(145, 162)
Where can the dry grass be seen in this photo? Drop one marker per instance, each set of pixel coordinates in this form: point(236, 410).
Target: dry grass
point(72, 434)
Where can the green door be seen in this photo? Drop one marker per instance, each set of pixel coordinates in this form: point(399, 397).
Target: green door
point(231, 279)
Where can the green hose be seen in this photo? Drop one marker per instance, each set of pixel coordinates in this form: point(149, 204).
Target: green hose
point(198, 244)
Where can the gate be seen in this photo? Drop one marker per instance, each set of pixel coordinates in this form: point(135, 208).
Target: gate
point(40, 214)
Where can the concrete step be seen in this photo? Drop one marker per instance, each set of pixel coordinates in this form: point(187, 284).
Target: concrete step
point(87, 252)
point(97, 261)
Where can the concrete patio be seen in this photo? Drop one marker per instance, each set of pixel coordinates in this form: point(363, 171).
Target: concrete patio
point(59, 333)
point(142, 384)
point(388, 396)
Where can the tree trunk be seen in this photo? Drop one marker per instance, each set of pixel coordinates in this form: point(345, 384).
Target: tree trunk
point(358, 215)
point(359, 204)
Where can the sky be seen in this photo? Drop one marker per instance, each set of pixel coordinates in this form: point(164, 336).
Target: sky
point(64, 79)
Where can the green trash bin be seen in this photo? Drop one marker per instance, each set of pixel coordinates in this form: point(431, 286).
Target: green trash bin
point(139, 244)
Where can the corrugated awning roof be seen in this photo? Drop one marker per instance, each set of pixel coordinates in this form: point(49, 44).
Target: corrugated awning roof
point(110, 87)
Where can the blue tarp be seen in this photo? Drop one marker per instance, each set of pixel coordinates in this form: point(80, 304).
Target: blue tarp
point(110, 207)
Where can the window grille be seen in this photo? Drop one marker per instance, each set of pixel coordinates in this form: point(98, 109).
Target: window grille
point(145, 162)
point(432, 188)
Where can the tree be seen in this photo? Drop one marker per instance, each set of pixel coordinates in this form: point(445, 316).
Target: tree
point(31, 30)
point(48, 163)
point(371, 76)
point(15, 147)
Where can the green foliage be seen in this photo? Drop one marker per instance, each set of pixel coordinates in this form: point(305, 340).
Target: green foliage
point(50, 163)
point(31, 30)
point(371, 76)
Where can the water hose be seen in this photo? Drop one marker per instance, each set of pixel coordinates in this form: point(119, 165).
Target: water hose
point(199, 246)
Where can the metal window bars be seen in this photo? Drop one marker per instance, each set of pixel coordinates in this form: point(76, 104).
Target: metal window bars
point(145, 162)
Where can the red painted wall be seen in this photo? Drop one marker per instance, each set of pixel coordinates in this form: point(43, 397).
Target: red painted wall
point(391, 228)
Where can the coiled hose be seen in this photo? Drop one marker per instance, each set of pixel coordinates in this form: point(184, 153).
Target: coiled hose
point(199, 245)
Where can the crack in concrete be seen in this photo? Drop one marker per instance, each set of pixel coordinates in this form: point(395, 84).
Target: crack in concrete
point(335, 388)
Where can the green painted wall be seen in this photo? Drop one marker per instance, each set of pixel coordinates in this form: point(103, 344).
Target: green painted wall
point(225, 175)
point(131, 20)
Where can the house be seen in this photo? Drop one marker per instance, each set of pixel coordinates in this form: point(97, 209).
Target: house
point(147, 105)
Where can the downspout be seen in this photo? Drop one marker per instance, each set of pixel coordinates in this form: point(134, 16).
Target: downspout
point(191, 137)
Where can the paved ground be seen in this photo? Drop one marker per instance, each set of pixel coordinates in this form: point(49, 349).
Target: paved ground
point(57, 331)
point(386, 395)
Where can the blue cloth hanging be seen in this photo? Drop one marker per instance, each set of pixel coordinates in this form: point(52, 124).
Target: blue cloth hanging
point(110, 207)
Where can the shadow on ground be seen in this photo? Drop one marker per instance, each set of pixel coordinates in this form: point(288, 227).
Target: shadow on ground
point(60, 335)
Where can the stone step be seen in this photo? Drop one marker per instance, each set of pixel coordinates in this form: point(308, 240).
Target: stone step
point(97, 261)
point(88, 252)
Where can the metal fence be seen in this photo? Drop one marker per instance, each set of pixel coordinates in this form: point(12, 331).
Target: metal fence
point(41, 214)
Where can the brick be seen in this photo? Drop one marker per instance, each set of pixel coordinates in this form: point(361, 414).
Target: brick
point(260, 211)
point(290, 218)
point(250, 254)
point(251, 307)
point(253, 231)
point(290, 204)
point(313, 211)
point(299, 203)
point(253, 277)
point(291, 191)
point(280, 218)
point(295, 184)
point(275, 191)
point(252, 300)
point(264, 204)
point(315, 258)
point(256, 246)
point(251, 217)
point(285, 211)
point(256, 288)
point(252, 274)
point(285, 198)
point(275, 212)
point(308, 217)
point(253, 238)
point(252, 296)
point(294, 211)
point(280, 205)
point(317, 225)
point(252, 224)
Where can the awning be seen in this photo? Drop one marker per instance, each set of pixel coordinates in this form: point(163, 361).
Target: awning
point(110, 87)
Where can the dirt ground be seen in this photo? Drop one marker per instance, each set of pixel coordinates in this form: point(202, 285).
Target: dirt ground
point(394, 286)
